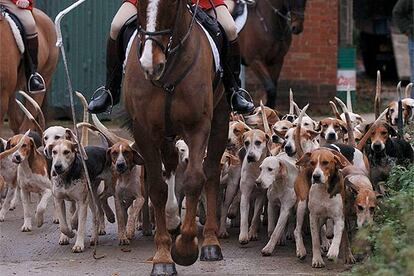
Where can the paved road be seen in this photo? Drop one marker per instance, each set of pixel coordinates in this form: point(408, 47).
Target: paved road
point(38, 253)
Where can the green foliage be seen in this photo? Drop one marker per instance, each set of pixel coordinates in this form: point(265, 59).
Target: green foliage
point(391, 237)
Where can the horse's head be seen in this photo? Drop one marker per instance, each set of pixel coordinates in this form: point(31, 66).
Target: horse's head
point(157, 20)
point(297, 14)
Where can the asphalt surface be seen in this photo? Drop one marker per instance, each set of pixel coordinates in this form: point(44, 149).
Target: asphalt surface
point(38, 253)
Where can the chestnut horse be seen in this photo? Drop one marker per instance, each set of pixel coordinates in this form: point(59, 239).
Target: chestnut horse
point(12, 77)
point(176, 62)
point(266, 38)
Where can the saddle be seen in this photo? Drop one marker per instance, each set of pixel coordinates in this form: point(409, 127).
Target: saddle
point(16, 26)
point(125, 35)
point(19, 33)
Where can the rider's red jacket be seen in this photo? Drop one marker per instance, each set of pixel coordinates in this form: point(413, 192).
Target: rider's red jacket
point(30, 7)
point(206, 5)
point(134, 2)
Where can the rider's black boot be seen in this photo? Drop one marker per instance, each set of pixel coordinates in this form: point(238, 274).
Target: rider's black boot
point(35, 82)
point(112, 90)
point(236, 96)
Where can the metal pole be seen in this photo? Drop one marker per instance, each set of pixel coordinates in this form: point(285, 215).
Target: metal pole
point(59, 43)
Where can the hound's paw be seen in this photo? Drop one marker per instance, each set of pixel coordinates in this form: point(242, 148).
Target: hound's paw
point(325, 245)
point(101, 232)
point(333, 253)
point(26, 228)
point(281, 241)
point(243, 239)
point(93, 242)
point(317, 262)
point(253, 236)
point(39, 219)
point(130, 233)
point(2, 218)
point(223, 234)
point(267, 251)
point(301, 253)
point(77, 248)
point(55, 221)
point(63, 240)
point(349, 259)
point(124, 241)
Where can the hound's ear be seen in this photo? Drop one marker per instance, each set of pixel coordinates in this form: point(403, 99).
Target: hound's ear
point(341, 161)
point(304, 160)
point(367, 127)
point(352, 187)
point(312, 133)
point(318, 127)
point(69, 135)
point(8, 144)
point(74, 147)
point(343, 126)
point(282, 169)
point(391, 131)
point(108, 161)
point(48, 151)
point(138, 160)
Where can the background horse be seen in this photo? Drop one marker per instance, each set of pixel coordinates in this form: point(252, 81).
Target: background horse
point(12, 77)
point(197, 115)
point(266, 38)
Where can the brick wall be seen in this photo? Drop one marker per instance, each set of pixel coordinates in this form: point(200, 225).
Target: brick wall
point(310, 66)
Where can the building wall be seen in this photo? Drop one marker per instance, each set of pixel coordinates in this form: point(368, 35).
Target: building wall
point(310, 66)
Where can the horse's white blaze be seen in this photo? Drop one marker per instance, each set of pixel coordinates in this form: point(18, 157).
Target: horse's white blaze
point(147, 55)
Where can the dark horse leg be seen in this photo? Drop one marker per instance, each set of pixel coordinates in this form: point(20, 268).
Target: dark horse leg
point(211, 250)
point(263, 73)
point(162, 261)
point(185, 248)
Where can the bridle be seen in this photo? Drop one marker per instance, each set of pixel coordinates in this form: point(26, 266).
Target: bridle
point(169, 50)
point(287, 17)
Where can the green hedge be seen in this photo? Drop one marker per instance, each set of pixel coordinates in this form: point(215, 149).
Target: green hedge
point(391, 237)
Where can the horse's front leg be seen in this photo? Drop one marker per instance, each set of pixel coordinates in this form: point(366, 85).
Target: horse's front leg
point(263, 74)
point(211, 249)
point(185, 249)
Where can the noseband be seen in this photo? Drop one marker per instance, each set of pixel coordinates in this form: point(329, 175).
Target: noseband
point(167, 51)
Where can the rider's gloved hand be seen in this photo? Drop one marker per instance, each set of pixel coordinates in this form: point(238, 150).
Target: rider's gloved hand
point(23, 3)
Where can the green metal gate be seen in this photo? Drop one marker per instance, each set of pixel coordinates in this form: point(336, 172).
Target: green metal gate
point(84, 33)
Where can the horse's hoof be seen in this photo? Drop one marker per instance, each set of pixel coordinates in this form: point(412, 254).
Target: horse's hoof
point(211, 253)
point(182, 254)
point(163, 269)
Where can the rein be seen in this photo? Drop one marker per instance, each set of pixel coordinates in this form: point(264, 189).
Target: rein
point(170, 51)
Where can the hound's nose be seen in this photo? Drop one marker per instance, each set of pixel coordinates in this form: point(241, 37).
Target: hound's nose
point(316, 177)
point(58, 168)
point(377, 146)
point(121, 167)
point(258, 182)
point(332, 136)
point(289, 150)
point(275, 139)
point(250, 158)
point(17, 158)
